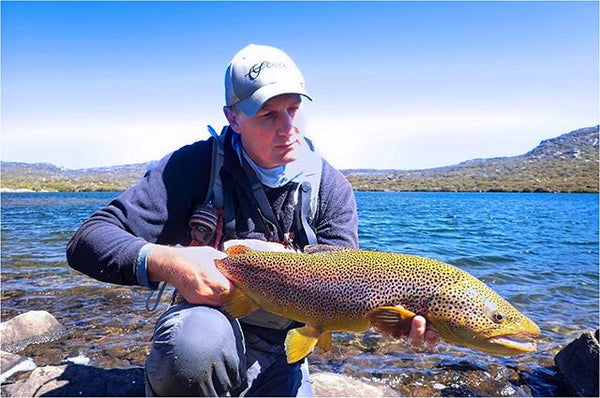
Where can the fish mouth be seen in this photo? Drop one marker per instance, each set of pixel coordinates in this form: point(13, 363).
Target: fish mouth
point(516, 343)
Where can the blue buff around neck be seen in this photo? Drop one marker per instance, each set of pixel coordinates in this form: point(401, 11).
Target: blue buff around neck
point(280, 175)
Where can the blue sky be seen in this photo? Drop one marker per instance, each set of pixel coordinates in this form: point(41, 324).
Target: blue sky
point(396, 84)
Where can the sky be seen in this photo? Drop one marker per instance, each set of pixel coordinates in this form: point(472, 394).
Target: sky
point(396, 85)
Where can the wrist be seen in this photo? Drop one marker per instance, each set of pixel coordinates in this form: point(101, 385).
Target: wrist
point(141, 266)
point(157, 262)
point(167, 263)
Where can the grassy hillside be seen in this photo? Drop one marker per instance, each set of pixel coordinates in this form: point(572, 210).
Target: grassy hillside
point(568, 163)
point(47, 177)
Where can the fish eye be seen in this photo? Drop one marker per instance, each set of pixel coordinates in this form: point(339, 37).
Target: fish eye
point(498, 316)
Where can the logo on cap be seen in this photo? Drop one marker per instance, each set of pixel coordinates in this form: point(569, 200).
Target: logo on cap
point(255, 70)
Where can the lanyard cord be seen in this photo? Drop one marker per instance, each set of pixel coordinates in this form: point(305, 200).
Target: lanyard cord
point(161, 289)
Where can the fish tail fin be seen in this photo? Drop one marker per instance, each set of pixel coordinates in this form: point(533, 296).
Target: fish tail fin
point(300, 342)
point(237, 249)
point(392, 320)
point(239, 304)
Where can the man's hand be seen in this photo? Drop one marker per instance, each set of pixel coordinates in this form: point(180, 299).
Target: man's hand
point(192, 271)
point(419, 333)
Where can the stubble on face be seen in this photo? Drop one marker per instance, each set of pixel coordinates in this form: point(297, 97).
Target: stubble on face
point(270, 137)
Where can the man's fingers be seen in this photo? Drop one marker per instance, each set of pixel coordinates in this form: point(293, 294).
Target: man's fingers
point(417, 331)
point(431, 338)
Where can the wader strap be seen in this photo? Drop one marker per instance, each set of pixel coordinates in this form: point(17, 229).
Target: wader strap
point(304, 199)
point(229, 225)
point(261, 198)
point(214, 193)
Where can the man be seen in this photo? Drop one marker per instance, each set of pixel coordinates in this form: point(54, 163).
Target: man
point(143, 236)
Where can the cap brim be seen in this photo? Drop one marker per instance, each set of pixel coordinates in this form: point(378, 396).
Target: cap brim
point(252, 104)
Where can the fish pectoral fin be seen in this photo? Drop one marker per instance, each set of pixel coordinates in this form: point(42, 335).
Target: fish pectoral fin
point(392, 320)
point(300, 342)
point(325, 341)
point(239, 304)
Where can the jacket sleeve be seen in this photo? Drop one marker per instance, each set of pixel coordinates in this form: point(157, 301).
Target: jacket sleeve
point(337, 218)
point(155, 210)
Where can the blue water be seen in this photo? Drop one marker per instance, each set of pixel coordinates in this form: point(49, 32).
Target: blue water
point(539, 251)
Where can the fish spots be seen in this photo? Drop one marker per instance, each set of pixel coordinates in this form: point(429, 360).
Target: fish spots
point(341, 287)
point(339, 283)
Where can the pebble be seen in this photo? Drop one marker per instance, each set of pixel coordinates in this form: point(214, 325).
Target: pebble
point(438, 386)
point(78, 360)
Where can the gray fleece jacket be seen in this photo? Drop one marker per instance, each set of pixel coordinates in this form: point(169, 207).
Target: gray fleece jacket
point(157, 210)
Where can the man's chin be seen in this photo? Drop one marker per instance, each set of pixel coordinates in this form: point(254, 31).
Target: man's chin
point(288, 157)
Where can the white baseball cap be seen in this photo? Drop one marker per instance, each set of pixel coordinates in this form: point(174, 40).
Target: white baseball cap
point(258, 73)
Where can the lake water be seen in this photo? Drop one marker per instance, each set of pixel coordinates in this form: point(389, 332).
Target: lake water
point(539, 251)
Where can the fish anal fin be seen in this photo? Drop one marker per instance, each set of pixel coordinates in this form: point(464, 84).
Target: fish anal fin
point(300, 342)
point(239, 304)
point(325, 341)
point(237, 249)
point(391, 320)
point(320, 248)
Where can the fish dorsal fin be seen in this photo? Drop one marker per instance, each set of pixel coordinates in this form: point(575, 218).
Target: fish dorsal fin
point(237, 249)
point(300, 342)
point(392, 320)
point(239, 304)
point(320, 248)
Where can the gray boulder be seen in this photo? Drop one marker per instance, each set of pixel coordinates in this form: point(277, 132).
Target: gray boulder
point(577, 364)
point(73, 380)
point(32, 327)
point(13, 363)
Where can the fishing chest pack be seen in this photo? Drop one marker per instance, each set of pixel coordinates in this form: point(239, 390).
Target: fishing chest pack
point(213, 221)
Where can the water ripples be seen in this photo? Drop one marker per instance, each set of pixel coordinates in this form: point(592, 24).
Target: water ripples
point(539, 251)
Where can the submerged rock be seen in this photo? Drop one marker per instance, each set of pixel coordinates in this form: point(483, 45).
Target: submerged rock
point(577, 363)
point(328, 384)
point(32, 327)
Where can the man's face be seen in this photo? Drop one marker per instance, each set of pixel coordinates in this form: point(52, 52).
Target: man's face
point(269, 137)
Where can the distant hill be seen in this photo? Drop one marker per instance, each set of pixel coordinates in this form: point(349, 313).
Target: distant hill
point(568, 163)
point(48, 177)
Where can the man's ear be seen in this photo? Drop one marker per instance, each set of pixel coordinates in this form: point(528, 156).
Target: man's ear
point(232, 117)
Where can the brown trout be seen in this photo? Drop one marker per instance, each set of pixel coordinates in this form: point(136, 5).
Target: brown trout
point(340, 289)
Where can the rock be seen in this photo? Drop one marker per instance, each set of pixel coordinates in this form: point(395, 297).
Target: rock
point(577, 363)
point(13, 363)
point(327, 384)
point(73, 380)
point(29, 328)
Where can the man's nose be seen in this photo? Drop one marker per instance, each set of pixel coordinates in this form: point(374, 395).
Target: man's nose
point(286, 125)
